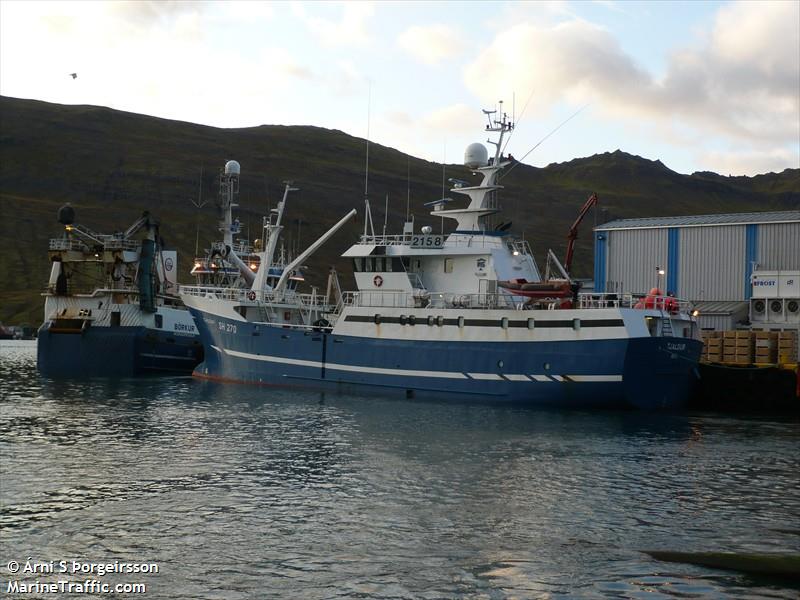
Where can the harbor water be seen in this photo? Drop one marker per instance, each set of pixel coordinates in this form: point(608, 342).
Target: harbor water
point(250, 492)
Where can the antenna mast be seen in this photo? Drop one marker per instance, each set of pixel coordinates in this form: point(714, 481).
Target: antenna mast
point(367, 213)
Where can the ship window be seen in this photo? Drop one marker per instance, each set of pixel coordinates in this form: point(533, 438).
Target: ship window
point(388, 264)
point(431, 320)
point(398, 265)
point(461, 322)
point(368, 264)
point(406, 262)
point(379, 264)
point(576, 324)
point(440, 321)
point(377, 319)
point(159, 321)
point(448, 265)
point(412, 320)
point(531, 323)
point(403, 319)
point(115, 318)
point(358, 264)
point(504, 322)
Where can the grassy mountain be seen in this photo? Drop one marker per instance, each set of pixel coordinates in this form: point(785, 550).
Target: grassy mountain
point(112, 165)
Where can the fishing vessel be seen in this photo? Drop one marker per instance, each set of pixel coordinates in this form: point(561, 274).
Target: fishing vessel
point(451, 316)
point(111, 305)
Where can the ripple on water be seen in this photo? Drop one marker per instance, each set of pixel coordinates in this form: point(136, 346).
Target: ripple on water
point(239, 492)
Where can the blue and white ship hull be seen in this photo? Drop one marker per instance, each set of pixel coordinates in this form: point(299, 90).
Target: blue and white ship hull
point(563, 367)
point(86, 348)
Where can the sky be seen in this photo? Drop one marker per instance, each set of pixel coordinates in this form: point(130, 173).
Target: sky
point(701, 86)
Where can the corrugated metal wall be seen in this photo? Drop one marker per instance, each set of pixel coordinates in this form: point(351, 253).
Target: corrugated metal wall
point(712, 263)
point(717, 322)
point(633, 255)
point(779, 246)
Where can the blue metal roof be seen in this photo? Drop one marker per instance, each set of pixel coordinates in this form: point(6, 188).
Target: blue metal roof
point(785, 216)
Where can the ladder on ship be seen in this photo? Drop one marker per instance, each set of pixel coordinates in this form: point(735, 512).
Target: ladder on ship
point(666, 327)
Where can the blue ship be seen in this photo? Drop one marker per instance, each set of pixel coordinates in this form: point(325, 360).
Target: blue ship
point(464, 315)
point(133, 323)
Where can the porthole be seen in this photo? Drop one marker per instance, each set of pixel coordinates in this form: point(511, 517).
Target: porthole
point(377, 319)
point(531, 323)
point(431, 320)
point(403, 319)
point(546, 366)
point(576, 324)
point(461, 322)
point(504, 322)
point(440, 320)
point(412, 320)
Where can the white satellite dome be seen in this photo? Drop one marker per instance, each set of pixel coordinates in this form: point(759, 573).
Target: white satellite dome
point(476, 155)
point(232, 168)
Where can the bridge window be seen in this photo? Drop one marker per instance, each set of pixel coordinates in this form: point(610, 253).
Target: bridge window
point(358, 264)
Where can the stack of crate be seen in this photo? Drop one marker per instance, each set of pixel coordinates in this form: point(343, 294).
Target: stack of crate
point(728, 346)
point(766, 347)
point(712, 346)
point(787, 347)
point(737, 347)
point(744, 347)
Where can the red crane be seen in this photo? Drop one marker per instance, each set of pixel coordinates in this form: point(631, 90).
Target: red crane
point(573, 232)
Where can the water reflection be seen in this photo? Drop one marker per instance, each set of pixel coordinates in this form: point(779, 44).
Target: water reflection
point(309, 496)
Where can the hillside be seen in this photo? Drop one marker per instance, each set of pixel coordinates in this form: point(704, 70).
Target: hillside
point(112, 165)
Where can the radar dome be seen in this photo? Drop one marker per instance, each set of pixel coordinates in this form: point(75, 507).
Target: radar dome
point(232, 168)
point(476, 155)
point(66, 215)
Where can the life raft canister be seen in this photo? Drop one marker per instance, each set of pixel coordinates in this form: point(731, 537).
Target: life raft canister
point(377, 280)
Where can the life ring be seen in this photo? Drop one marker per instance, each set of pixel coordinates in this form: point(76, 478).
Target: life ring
point(251, 295)
point(377, 280)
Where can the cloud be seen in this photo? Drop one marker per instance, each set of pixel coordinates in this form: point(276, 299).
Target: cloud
point(432, 44)
point(351, 29)
point(749, 163)
point(279, 62)
point(741, 82)
point(455, 119)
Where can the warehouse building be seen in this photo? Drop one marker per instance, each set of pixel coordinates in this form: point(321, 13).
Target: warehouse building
point(708, 259)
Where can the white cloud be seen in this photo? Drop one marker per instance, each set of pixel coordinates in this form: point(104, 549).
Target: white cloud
point(455, 120)
point(432, 44)
point(351, 29)
point(742, 83)
point(748, 163)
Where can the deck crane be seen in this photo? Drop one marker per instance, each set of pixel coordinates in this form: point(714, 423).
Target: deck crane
point(573, 232)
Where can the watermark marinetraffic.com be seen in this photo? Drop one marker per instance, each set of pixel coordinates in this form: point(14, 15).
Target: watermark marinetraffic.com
point(73, 572)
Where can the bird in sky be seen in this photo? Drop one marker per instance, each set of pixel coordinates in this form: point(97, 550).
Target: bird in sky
point(73, 75)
